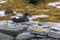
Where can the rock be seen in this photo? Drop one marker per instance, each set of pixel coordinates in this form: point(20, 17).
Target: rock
point(39, 32)
point(44, 39)
point(24, 36)
point(5, 37)
point(54, 34)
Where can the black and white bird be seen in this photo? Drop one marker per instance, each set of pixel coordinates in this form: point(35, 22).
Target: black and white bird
point(23, 18)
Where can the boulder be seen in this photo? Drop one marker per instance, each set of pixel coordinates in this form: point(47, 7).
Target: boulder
point(54, 34)
point(5, 37)
point(24, 36)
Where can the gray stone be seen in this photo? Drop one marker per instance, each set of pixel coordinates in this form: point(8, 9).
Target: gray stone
point(24, 36)
point(44, 39)
point(54, 34)
point(5, 37)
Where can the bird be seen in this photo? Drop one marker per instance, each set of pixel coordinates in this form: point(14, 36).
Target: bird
point(23, 18)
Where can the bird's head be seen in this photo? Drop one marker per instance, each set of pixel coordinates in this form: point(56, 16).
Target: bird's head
point(26, 14)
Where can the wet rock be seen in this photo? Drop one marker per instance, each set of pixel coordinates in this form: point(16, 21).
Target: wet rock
point(5, 37)
point(24, 36)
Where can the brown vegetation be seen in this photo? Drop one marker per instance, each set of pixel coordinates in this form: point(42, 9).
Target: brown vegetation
point(37, 9)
